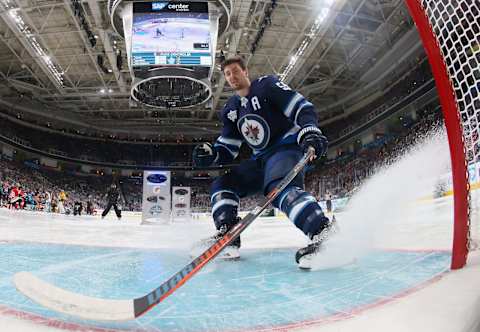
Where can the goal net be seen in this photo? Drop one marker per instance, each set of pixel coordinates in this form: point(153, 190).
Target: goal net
point(450, 31)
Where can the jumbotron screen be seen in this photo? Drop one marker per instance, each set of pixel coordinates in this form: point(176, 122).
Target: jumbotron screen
point(171, 33)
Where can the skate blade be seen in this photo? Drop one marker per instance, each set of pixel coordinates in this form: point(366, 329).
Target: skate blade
point(230, 259)
point(230, 254)
point(319, 263)
point(305, 263)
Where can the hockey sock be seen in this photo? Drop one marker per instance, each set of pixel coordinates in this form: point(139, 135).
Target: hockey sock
point(224, 208)
point(303, 210)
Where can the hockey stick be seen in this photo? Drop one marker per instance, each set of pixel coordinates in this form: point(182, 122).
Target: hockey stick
point(92, 308)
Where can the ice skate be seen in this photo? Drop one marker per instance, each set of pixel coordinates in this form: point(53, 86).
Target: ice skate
point(231, 252)
point(305, 255)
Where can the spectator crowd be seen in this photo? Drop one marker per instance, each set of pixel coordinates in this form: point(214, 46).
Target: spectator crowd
point(25, 187)
point(34, 188)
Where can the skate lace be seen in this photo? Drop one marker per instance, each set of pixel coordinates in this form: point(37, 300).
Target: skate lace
point(323, 235)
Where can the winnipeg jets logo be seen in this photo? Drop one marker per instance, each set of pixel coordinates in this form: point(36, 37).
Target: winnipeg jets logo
point(255, 130)
point(252, 131)
point(232, 115)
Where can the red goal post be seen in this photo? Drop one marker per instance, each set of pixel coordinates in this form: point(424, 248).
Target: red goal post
point(450, 32)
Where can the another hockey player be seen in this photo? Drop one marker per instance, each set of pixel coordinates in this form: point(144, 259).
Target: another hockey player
point(90, 208)
point(17, 197)
point(112, 196)
point(328, 202)
point(77, 208)
point(279, 125)
point(62, 197)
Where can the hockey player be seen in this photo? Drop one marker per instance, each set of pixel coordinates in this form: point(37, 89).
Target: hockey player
point(17, 197)
point(48, 201)
point(62, 197)
point(77, 208)
point(328, 202)
point(90, 209)
point(279, 125)
point(112, 196)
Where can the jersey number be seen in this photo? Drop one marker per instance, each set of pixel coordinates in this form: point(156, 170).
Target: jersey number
point(283, 86)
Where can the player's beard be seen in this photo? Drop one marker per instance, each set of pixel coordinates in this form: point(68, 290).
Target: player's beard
point(240, 85)
point(237, 86)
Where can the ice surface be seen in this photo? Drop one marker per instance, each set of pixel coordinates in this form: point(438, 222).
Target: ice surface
point(399, 244)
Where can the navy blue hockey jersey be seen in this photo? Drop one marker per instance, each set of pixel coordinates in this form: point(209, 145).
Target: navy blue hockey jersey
point(271, 115)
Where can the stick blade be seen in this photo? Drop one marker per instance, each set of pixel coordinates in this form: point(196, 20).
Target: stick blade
point(70, 303)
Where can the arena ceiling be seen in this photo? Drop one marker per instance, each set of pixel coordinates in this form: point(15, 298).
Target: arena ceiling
point(336, 52)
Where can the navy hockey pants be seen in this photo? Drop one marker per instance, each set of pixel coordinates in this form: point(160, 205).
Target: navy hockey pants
point(261, 176)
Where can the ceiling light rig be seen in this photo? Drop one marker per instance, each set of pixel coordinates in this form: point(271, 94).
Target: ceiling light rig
point(19, 23)
point(322, 16)
point(82, 20)
point(267, 20)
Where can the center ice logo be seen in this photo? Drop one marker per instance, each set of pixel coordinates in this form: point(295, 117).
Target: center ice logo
point(255, 130)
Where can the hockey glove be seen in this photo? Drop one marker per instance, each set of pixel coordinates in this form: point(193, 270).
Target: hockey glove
point(204, 155)
point(312, 136)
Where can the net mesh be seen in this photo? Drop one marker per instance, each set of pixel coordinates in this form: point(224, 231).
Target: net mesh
point(456, 25)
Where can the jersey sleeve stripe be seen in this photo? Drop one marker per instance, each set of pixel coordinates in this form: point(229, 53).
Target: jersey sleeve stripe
point(302, 106)
point(295, 129)
point(291, 106)
point(233, 151)
point(230, 141)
